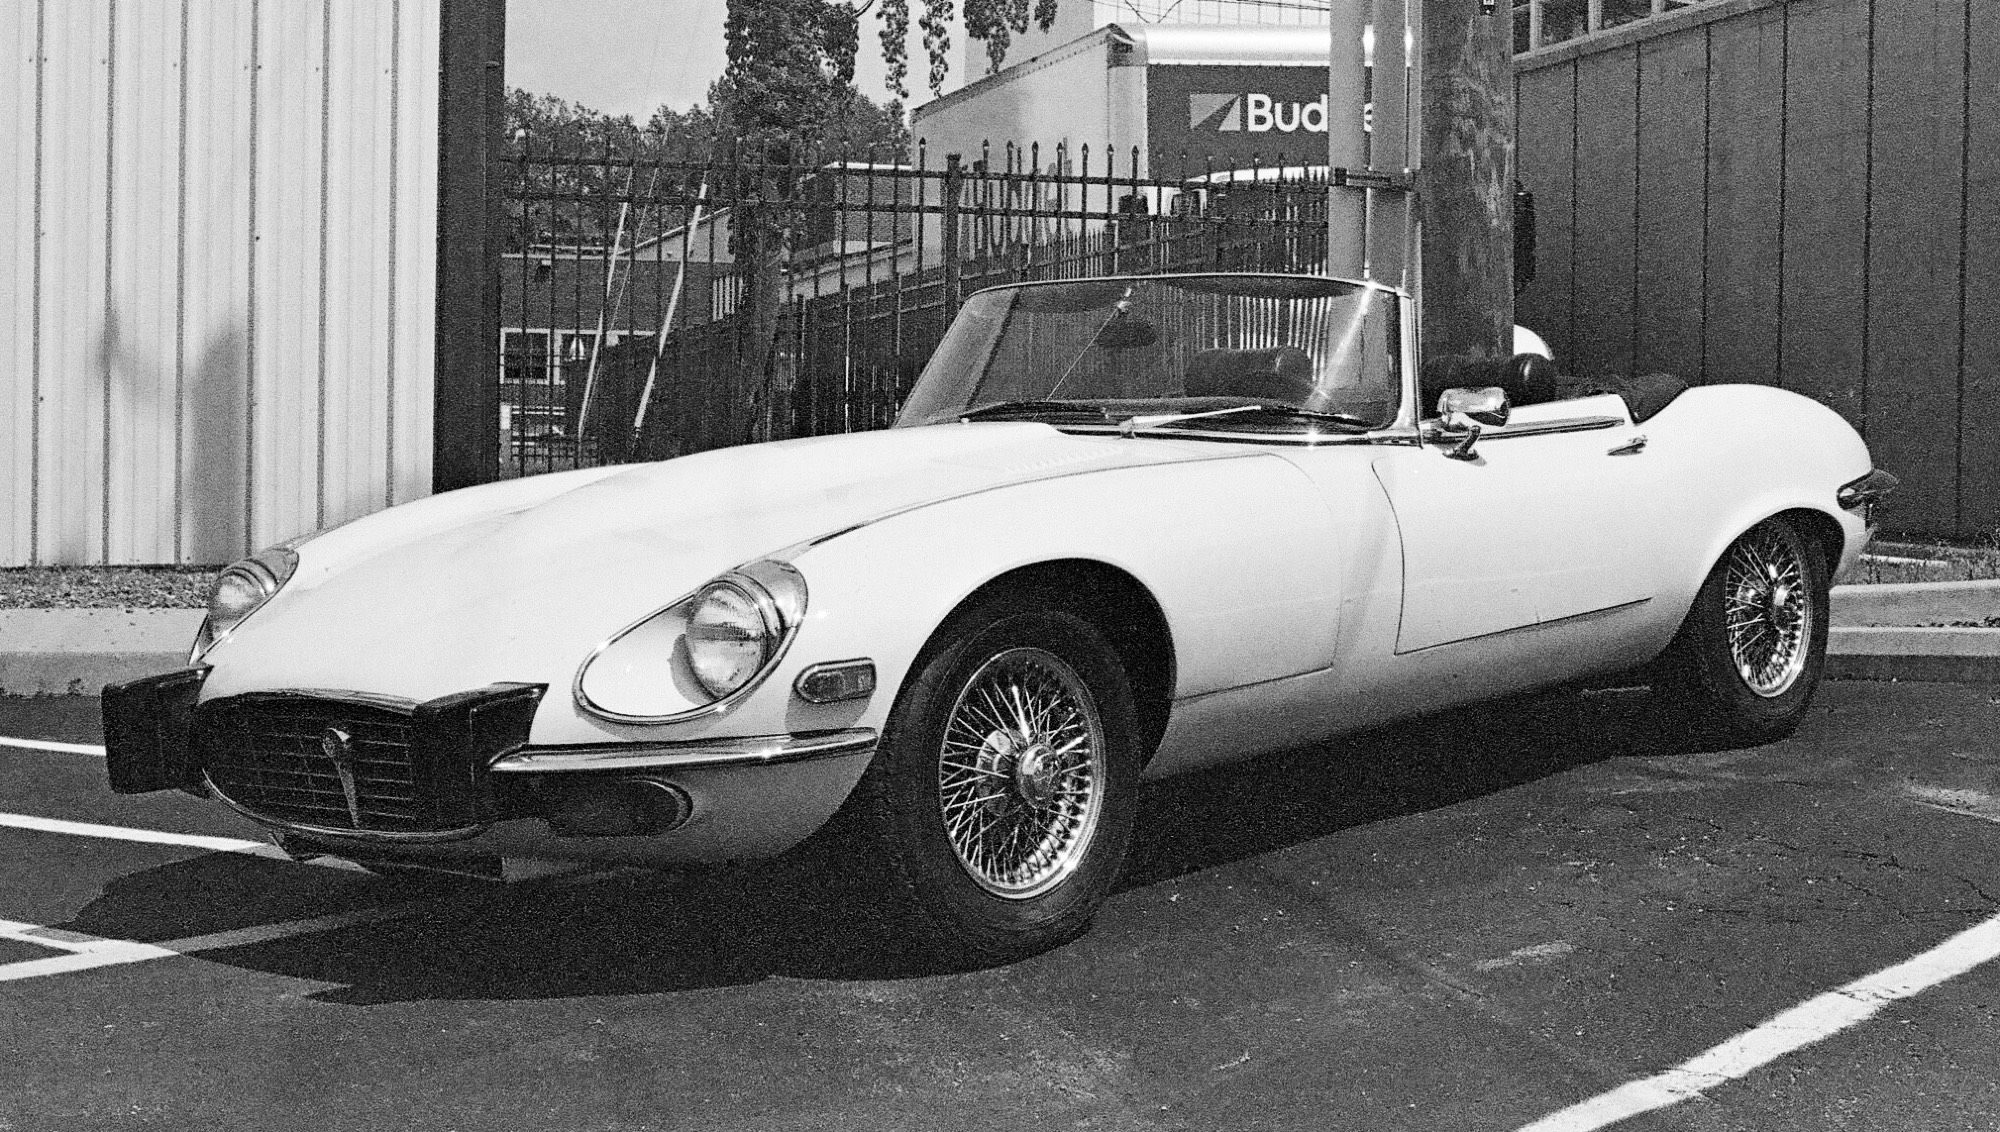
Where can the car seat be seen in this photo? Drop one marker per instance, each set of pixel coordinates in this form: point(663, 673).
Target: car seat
point(1280, 373)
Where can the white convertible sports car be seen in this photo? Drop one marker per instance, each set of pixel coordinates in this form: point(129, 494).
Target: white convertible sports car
point(1124, 528)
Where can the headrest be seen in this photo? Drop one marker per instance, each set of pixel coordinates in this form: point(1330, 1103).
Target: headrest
point(1529, 379)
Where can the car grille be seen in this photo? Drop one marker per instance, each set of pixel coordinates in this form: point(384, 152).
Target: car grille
point(269, 755)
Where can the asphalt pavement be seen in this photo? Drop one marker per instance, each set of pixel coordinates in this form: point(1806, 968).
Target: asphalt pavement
point(1521, 916)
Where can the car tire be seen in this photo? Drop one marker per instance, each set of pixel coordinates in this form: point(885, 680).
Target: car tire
point(1748, 658)
point(998, 809)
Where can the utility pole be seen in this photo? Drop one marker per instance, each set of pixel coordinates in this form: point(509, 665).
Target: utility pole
point(1424, 88)
point(1465, 187)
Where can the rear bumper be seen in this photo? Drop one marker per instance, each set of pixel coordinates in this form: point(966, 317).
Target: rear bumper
point(482, 794)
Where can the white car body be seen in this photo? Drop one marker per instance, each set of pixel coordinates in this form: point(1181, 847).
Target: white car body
point(1308, 584)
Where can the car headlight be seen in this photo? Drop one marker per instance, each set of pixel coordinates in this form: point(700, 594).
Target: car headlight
point(241, 590)
point(699, 653)
point(730, 635)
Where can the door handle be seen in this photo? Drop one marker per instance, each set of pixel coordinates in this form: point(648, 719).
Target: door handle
point(1631, 447)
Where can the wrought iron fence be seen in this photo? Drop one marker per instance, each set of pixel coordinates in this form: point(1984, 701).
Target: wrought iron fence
point(632, 302)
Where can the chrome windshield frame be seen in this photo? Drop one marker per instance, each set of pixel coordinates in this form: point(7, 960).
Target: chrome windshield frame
point(1401, 428)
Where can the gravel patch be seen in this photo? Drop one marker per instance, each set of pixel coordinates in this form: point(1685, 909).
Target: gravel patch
point(105, 587)
point(1893, 562)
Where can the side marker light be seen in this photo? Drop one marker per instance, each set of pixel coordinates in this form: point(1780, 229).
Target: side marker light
point(838, 680)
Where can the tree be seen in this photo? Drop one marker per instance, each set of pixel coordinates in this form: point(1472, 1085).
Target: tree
point(563, 198)
point(565, 202)
point(788, 101)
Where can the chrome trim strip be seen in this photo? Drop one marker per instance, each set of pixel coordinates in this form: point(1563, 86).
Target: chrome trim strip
point(1537, 429)
point(1365, 284)
point(1564, 620)
point(384, 836)
point(359, 699)
point(697, 754)
point(1544, 428)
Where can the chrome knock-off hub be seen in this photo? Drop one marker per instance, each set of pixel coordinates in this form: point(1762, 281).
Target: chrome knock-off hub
point(1035, 773)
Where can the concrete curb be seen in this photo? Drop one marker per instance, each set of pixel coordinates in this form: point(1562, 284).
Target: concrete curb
point(1915, 603)
point(55, 652)
point(1945, 656)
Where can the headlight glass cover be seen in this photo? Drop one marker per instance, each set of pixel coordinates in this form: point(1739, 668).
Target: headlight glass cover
point(242, 589)
point(728, 637)
point(700, 653)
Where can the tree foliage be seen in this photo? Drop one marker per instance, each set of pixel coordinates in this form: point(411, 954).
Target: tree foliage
point(568, 202)
point(789, 80)
point(992, 22)
point(565, 195)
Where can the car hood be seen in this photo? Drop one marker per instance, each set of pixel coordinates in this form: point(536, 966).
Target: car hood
point(517, 582)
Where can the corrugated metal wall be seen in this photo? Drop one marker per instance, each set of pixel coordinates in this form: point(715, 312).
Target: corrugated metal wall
point(1798, 193)
point(218, 225)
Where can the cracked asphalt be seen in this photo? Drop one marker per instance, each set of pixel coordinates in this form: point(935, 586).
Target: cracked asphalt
point(1466, 923)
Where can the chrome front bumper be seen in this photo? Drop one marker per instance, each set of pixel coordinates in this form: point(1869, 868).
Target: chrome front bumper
point(756, 750)
point(468, 783)
point(746, 800)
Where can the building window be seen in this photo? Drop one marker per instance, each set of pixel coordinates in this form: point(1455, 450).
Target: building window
point(725, 295)
point(1543, 23)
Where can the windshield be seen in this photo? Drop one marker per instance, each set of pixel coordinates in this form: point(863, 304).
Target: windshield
point(1108, 350)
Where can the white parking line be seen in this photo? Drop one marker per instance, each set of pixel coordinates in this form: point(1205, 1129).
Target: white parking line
point(262, 849)
point(127, 833)
point(1787, 1032)
point(51, 745)
point(85, 952)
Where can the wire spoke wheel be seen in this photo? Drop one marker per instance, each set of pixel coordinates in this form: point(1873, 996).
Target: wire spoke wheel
point(998, 810)
point(1769, 612)
point(1750, 653)
point(1022, 773)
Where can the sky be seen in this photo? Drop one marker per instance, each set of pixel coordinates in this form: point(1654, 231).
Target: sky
point(632, 56)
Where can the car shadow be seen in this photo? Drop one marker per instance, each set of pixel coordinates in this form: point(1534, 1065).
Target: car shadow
point(1210, 818)
point(801, 915)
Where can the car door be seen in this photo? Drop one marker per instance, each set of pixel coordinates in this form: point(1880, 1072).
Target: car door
point(1548, 521)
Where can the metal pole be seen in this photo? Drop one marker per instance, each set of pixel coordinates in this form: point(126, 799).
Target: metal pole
point(1351, 55)
point(1389, 149)
point(954, 177)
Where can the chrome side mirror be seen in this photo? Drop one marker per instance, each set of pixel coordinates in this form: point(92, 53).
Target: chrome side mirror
point(1462, 413)
point(1486, 406)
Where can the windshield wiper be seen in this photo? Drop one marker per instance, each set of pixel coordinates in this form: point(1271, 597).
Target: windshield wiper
point(1031, 408)
point(1345, 420)
point(1155, 420)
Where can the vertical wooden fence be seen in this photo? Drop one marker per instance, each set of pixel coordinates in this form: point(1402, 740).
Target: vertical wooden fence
point(1796, 193)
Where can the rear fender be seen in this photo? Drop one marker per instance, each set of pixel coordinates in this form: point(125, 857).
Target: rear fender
point(1790, 452)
